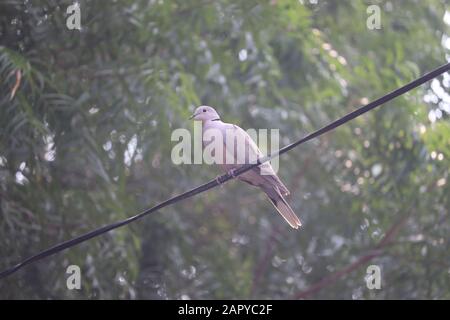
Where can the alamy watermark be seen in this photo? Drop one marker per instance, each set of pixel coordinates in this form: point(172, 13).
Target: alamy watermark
point(374, 19)
point(225, 148)
point(73, 21)
point(373, 277)
point(74, 279)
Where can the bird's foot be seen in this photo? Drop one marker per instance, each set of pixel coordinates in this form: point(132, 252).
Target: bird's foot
point(219, 182)
point(231, 173)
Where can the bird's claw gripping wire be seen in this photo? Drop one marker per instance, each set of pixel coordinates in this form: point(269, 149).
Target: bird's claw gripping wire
point(219, 182)
point(230, 173)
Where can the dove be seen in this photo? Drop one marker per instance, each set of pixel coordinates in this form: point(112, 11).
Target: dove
point(268, 182)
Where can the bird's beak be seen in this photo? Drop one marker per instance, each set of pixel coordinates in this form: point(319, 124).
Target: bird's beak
point(192, 117)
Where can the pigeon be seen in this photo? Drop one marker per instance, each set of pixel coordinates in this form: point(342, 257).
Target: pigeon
point(262, 176)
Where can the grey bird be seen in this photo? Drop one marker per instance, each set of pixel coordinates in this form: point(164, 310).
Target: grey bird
point(267, 182)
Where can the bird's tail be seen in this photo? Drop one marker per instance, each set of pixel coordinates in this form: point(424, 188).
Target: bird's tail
point(282, 206)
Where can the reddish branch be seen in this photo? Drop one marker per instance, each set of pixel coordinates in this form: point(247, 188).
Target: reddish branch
point(270, 246)
point(327, 281)
point(265, 260)
point(17, 84)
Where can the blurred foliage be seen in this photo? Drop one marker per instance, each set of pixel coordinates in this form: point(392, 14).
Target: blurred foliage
point(85, 124)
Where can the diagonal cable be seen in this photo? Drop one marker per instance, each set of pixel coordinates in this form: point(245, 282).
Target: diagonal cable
point(224, 178)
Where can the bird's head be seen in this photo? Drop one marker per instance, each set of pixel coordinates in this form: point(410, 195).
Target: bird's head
point(205, 113)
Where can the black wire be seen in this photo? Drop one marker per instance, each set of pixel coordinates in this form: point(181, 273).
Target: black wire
point(224, 178)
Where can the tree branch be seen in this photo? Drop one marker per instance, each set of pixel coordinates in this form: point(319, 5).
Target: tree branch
point(331, 279)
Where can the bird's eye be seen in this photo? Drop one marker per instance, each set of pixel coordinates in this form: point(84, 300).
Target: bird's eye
point(204, 110)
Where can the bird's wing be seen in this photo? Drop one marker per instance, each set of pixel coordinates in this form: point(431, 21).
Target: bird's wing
point(239, 144)
point(245, 147)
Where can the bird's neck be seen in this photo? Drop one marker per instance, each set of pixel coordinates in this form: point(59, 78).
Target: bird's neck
point(211, 121)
